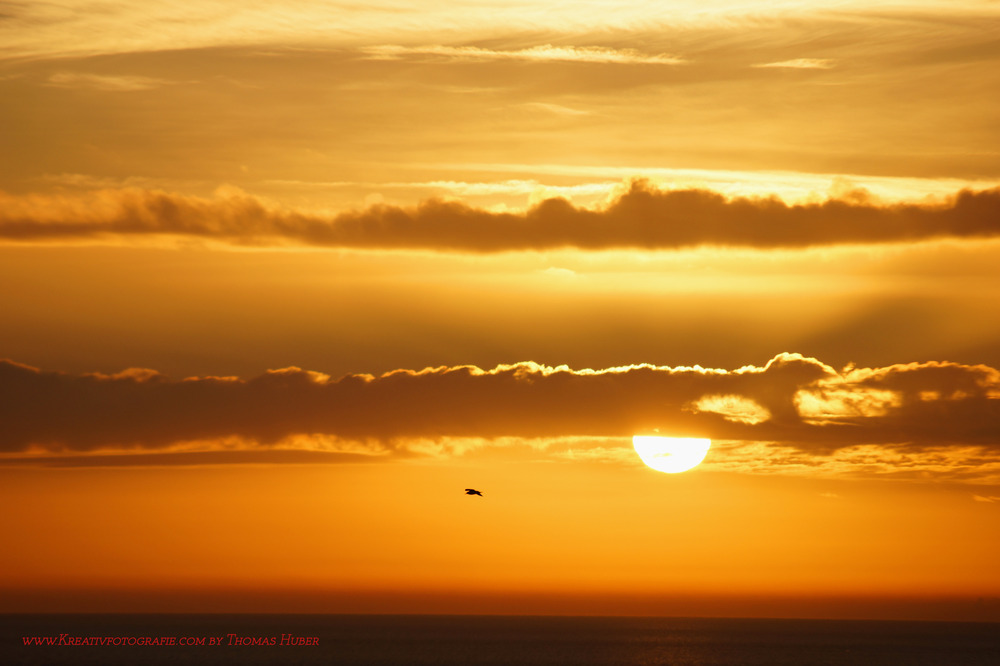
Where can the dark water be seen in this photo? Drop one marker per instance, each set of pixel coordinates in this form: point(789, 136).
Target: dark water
point(377, 640)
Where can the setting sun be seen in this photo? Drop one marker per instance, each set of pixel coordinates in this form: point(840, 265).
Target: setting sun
point(280, 281)
point(671, 454)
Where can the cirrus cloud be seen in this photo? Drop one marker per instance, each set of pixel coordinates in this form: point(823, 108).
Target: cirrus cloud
point(543, 53)
point(800, 63)
point(106, 83)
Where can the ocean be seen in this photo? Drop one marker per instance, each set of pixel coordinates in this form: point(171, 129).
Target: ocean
point(439, 640)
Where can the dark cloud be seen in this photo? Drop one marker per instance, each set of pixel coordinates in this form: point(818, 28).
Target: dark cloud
point(792, 400)
point(933, 403)
point(642, 217)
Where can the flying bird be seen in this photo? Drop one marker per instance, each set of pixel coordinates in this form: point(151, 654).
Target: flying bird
point(472, 491)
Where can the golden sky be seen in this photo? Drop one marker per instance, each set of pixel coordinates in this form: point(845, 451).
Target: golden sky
point(278, 282)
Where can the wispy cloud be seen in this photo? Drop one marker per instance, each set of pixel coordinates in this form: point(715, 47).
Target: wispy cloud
point(105, 82)
point(801, 63)
point(451, 187)
point(556, 109)
point(60, 28)
point(543, 53)
point(959, 464)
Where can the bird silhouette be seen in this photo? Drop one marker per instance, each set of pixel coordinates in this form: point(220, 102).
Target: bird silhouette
point(472, 491)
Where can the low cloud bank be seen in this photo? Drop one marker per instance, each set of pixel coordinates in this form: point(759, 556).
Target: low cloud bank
point(791, 401)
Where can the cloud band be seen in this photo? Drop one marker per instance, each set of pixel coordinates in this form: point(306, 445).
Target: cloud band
point(792, 400)
point(643, 217)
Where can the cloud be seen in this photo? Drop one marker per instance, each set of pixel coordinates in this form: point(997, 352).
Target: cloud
point(945, 416)
point(200, 458)
point(440, 188)
point(641, 217)
point(800, 63)
point(104, 82)
point(556, 109)
point(563, 273)
point(732, 407)
point(948, 463)
point(544, 53)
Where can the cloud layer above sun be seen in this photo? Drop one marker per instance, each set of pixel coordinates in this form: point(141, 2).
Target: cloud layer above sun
point(642, 217)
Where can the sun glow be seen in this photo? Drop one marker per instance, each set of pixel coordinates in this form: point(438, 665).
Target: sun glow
point(671, 454)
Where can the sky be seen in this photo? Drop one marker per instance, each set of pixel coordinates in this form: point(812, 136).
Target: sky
point(279, 282)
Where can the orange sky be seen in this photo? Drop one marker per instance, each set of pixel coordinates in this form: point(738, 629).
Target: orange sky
point(278, 284)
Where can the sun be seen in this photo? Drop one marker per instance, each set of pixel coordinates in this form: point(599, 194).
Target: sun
point(671, 454)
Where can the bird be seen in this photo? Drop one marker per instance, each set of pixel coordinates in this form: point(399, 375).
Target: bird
point(472, 491)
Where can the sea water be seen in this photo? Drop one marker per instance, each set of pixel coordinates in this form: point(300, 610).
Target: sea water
point(438, 640)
